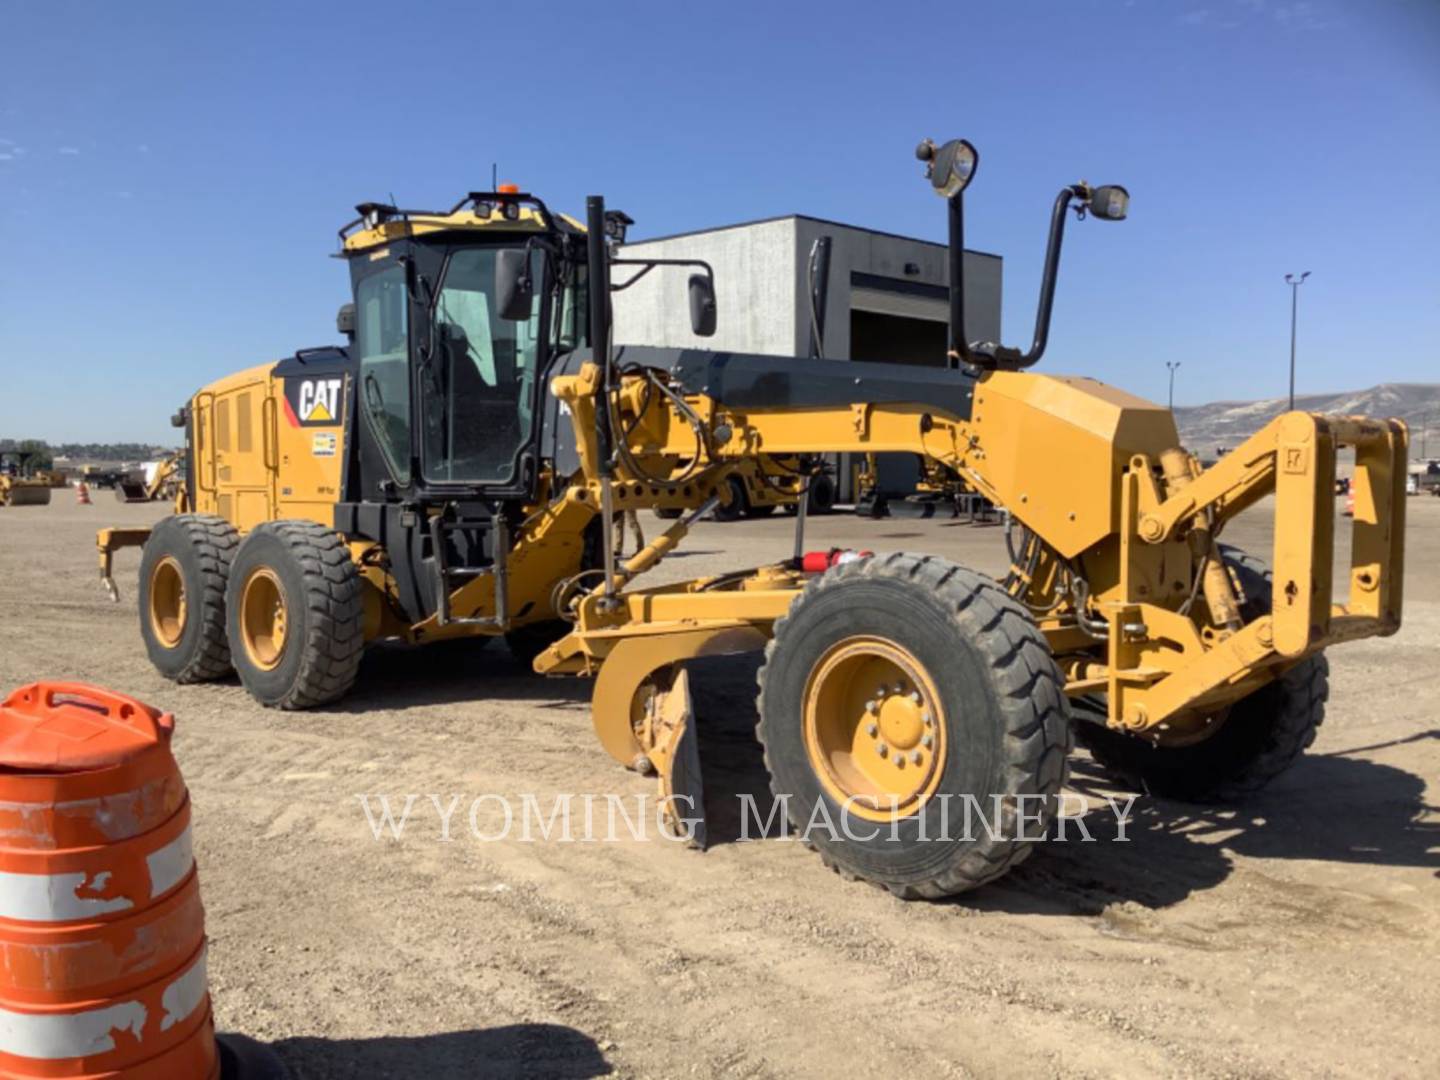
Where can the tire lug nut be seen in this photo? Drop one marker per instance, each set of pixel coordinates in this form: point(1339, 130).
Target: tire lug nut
point(927, 741)
point(871, 706)
point(915, 696)
point(915, 757)
point(882, 749)
point(872, 730)
point(928, 720)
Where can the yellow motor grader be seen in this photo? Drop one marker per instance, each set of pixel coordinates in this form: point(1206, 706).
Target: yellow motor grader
point(421, 484)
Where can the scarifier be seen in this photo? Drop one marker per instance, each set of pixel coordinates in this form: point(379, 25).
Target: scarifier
point(419, 484)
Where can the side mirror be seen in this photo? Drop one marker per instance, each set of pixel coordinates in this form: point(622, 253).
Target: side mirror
point(951, 167)
point(514, 288)
point(702, 305)
point(345, 320)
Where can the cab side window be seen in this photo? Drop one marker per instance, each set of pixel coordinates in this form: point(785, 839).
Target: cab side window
point(382, 343)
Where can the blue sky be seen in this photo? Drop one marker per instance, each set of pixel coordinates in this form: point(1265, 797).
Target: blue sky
point(172, 175)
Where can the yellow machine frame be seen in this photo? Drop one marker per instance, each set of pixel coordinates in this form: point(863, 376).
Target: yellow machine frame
point(1119, 514)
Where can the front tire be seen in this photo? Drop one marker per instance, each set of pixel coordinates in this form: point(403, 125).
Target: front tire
point(1255, 740)
point(184, 571)
point(294, 615)
point(904, 692)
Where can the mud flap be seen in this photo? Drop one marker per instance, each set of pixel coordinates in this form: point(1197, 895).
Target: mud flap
point(674, 748)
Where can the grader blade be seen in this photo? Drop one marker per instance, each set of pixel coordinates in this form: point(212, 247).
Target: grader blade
point(675, 750)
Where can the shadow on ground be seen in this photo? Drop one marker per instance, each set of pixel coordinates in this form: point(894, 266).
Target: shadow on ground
point(451, 672)
point(1332, 808)
point(501, 1053)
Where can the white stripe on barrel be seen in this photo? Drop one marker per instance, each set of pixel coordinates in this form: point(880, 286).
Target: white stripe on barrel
point(51, 898)
point(52, 1036)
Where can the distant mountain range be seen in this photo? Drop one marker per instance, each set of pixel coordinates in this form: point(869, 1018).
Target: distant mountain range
point(1205, 428)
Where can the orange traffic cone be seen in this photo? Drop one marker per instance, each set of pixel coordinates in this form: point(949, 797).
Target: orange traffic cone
point(102, 934)
point(82, 494)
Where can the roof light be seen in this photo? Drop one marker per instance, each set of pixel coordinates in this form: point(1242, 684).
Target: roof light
point(373, 215)
point(508, 189)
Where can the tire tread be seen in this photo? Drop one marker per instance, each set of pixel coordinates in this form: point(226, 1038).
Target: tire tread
point(214, 541)
point(335, 636)
point(1037, 730)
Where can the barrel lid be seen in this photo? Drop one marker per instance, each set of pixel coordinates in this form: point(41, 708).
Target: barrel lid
point(61, 727)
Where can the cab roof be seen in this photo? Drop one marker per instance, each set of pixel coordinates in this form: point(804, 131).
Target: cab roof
point(497, 212)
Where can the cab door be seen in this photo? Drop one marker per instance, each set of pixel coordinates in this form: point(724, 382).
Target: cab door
point(244, 483)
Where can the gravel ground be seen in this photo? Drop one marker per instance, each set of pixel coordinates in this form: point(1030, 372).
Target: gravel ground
point(1295, 936)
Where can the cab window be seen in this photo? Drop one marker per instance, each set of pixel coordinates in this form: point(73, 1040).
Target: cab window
point(381, 341)
point(480, 392)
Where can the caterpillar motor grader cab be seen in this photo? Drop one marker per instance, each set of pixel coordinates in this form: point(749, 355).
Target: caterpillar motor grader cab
point(418, 485)
point(19, 484)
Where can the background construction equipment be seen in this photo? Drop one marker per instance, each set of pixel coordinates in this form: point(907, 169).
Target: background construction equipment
point(19, 484)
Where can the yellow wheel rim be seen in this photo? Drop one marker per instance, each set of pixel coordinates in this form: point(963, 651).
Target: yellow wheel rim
point(262, 618)
point(167, 602)
point(874, 729)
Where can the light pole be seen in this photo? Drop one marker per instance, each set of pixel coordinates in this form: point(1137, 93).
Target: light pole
point(1294, 283)
point(1172, 365)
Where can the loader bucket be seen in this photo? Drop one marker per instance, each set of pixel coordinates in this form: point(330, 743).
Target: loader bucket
point(131, 491)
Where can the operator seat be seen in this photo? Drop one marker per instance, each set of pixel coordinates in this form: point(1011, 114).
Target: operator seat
point(486, 417)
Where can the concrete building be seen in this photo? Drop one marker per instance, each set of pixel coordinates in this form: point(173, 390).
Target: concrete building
point(888, 296)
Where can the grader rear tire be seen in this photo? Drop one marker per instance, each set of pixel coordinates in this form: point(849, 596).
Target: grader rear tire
point(1256, 739)
point(294, 615)
point(894, 688)
point(183, 573)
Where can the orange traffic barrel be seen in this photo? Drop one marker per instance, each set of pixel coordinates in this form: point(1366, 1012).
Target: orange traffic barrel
point(102, 934)
point(82, 494)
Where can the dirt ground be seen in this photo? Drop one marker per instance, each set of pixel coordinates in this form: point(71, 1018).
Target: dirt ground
point(1295, 936)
